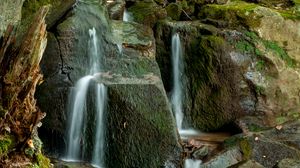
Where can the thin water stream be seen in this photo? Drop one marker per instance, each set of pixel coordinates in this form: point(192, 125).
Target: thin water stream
point(78, 110)
point(177, 96)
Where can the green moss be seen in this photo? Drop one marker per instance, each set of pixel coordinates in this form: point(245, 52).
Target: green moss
point(236, 13)
point(211, 90)
point(42, 161)
point(256, 128)
point(244, 47)
point(32, 6)
point(281, 119)
point(260, 65)
point(5, 144)
point(280, 52)
point(245, 148)
point(260, 90)
point(146, 12)
point(232, 141)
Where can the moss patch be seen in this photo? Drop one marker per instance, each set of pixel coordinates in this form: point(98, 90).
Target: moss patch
point(235, 13)
point(280, 52)
point(42, 161)
point(246, 148)
point(5, 143)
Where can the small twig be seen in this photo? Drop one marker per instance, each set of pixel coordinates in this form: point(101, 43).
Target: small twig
point(187, 15)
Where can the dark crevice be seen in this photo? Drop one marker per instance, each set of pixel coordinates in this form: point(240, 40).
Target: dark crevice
point(64, 68)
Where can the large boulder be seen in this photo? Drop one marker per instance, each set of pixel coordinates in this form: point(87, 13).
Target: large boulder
point(140, 125)
point(210, 78)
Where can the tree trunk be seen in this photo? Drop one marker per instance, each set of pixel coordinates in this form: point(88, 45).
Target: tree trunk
point(19, 75)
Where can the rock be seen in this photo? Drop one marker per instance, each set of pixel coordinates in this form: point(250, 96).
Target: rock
point(147, 13)
point(288, 163)
point(138, 134)
point(57, 9)
point(211, 98)
point(11, 13)
point(132, 37)
point(262, 148)
point(62, 65)
point(200, 153)
point(224, 159)
point(247, 164)
point(116, 9)
point(268, 152)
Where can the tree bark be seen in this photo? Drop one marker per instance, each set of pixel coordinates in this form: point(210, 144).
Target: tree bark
point(19, 76)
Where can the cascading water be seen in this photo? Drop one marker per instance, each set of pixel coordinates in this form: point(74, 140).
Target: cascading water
point(78, 110)
point(177, 94)
point(126, 16)
point(176, 98)
point(98, 154)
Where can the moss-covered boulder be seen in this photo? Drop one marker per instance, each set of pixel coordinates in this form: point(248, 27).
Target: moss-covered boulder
point(57, 9)
point(210, 78)
point(147, 12)
point(140, 124)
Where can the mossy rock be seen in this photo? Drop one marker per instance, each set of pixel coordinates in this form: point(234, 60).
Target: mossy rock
point(236, 14)
point(174, 10)
point(210, 99)
point(141, 129)
point(57, 9)
point(147, 13)
point(274, 3)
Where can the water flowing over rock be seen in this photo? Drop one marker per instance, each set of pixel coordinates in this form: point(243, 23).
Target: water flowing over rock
point(132, 79)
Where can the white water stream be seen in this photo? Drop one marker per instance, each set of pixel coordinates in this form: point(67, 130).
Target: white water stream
point(177, 95)
point(176, 98)
point(77, 110)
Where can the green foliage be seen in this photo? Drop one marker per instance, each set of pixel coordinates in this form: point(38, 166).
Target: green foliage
point(260, 65)
point(5, 144)
point(244, 47)
point(42, 161)
point(280, 52)
point(281, 120)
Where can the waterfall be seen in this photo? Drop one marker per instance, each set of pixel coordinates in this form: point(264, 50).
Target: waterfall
point(176, 98)
point(78, 110)
point(190, 163)
point(97, 158)
point(126, 16)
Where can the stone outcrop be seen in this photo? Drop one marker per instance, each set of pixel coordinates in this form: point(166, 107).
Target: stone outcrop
point(11, 13)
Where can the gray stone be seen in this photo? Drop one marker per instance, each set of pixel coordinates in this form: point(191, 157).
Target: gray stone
point(10, 13)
